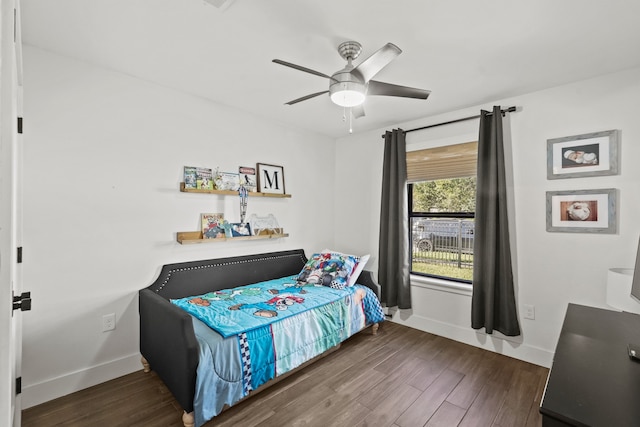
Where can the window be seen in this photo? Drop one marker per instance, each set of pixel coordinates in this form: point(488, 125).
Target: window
point(442, 190)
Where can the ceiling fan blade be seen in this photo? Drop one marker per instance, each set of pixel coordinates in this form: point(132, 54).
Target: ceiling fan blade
point(376, 62)
point(357, 111)
point(304, 98)
point(388, 89)
point(301, 68)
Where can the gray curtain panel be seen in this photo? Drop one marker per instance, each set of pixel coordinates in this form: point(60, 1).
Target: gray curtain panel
point(493, 304)
point(394, 254)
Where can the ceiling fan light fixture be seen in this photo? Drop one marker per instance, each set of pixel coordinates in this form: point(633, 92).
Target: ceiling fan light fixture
point(347, 94)
point(349, 86)
point(347, 98)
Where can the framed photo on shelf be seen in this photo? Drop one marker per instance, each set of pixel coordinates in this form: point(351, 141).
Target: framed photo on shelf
point(582, 211)
point(240, 229)
point(590, 154)
point(270, 179)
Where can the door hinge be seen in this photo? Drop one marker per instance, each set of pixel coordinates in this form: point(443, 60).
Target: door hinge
point(19, 124)
point(22, 302)
point(19, 255)
point(18, 385)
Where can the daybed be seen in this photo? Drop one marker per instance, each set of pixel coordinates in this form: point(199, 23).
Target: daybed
point(171, 339)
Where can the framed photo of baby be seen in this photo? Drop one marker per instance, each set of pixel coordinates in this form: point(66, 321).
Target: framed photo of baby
point(582, 211)
point(591, 154)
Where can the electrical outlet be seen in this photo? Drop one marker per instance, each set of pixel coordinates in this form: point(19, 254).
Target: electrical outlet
point(108, 322)
point(529, 311)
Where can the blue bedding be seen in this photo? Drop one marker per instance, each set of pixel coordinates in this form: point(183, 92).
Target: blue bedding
point(237, 357)
point(242, 309)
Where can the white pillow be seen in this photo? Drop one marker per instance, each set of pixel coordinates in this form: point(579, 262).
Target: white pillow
point(362, 260)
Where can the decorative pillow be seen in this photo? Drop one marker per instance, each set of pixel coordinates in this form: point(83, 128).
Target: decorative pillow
point(362, 261)
point(328, 269)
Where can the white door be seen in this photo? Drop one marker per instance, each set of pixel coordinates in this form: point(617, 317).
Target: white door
point(10, 211)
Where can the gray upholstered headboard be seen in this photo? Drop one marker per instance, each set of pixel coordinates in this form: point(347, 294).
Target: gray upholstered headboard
point(197, 277)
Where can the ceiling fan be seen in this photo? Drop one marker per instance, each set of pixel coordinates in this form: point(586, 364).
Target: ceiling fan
point(349, 86)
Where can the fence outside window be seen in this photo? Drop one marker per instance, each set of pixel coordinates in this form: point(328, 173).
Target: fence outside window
point(443, 246)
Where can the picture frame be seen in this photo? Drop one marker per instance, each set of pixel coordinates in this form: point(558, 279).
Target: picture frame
point(590, 154)
point(582, 211)
point(239, 229)
point(270, 179)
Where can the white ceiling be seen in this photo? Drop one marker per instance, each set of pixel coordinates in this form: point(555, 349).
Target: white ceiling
point(467, 52)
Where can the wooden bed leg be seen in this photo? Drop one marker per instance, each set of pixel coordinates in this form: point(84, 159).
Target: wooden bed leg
point(188, 419)
point(145, 365)
point(374, 329)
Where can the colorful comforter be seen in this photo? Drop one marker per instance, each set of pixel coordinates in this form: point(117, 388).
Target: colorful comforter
point(251, 334)
point(245, 308)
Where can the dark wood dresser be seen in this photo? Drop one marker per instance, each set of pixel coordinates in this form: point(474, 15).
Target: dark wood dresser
point(592, 381)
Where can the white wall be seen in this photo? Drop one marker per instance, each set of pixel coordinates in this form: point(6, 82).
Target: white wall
point(552, 269)
point(103, 160)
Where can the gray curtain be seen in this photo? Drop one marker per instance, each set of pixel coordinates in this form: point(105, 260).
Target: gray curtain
point(394, 255)
point(493, 304)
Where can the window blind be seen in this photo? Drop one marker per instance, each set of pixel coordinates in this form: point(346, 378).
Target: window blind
point(451, 161)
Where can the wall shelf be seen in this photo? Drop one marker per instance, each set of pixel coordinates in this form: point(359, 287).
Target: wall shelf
point(231, 193)
point(195, 237)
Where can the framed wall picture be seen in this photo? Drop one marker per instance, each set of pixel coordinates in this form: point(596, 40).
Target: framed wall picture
point(582, 211)
point(270, 179)
point(590, 154)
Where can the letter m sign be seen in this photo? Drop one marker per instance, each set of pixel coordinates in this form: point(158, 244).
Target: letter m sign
point(270, 179)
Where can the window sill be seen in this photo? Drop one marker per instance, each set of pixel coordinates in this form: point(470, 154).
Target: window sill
point(441, 285)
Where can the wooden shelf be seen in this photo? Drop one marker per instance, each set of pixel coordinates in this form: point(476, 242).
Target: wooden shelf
point(230, 193)
point(193, 237)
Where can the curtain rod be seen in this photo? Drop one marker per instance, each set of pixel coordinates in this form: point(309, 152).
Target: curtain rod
point(464, 119)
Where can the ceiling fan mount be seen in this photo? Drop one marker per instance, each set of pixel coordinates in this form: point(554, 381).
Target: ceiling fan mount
point(350, 86)
point(349, 50)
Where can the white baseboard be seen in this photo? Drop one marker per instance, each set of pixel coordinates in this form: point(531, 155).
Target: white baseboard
point(498, 343)
point(35, 394)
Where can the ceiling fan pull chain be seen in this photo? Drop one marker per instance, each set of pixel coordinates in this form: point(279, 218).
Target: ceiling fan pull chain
point(344, 114)
point(350, 120)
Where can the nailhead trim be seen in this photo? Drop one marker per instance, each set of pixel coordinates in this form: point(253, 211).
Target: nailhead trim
point(212, 265)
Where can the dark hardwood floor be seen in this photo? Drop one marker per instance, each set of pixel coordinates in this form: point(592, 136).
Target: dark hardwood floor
point(400, 377)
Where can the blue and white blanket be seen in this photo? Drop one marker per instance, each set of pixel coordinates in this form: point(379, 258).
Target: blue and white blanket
point(242, 309)
point(251, 334)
